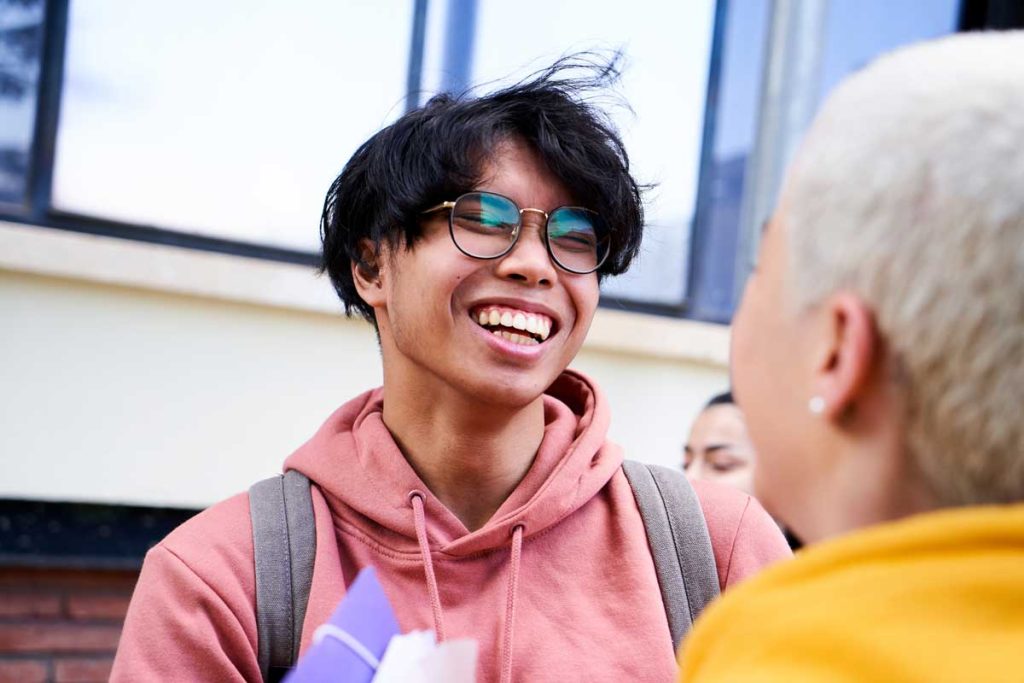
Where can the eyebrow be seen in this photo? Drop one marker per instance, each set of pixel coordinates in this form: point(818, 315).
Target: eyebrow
point(709, 449)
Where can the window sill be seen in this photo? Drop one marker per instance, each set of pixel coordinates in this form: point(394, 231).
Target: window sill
point(77, 256)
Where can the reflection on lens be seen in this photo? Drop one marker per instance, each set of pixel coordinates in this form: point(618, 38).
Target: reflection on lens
point(484, 224)
point(576, 239)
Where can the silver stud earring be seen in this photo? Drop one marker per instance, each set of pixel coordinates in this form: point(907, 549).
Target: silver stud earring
point(816, 405)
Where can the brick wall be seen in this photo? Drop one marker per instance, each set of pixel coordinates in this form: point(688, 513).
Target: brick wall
point(59, 625)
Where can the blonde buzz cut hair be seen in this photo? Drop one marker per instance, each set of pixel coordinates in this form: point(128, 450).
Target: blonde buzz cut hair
point(909, 191)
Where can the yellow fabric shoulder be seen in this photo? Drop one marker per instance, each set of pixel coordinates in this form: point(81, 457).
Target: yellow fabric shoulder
point(936, 597)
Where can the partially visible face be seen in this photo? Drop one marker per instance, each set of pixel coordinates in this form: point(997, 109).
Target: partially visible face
point(442, 308)
point(771, 367)
point(719, 449)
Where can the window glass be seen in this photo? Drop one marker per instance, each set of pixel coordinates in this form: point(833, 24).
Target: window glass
point(21, 47)
point(227, 119)
point(852, 34)
point(734, 126)
point(667, 48)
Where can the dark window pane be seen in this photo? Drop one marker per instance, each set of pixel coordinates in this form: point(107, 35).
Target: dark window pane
point(851, 34)
point(21, 48)
point(734, 118)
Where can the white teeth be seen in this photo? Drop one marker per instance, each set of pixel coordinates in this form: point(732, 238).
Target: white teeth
point(533, 324)
point(515, 338)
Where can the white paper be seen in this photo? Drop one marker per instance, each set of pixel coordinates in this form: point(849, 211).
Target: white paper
point(417, 658)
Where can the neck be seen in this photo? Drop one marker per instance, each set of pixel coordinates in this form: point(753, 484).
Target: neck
point(866, 490)
point(470, 456)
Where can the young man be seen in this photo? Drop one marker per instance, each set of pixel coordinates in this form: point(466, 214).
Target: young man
point(478, 479)
point(878, 356)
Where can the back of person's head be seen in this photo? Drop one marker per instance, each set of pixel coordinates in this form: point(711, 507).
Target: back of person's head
point(909, 191)
point(438, 152)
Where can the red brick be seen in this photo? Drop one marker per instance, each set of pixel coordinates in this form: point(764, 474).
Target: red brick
point(98, 606)
point(29, 605)
point(113, 580)
point(84, 670)
point(22, 671)
point(58, 638)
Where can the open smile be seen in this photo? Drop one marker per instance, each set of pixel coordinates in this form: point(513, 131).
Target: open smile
point(525, 328)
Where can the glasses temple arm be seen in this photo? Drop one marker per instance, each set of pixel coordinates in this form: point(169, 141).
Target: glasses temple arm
point(442, 205)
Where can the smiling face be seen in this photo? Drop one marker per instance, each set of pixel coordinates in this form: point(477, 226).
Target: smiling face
point(496, 332)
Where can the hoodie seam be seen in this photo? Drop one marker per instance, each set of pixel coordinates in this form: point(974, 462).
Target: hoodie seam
point(352, 531)
point(735, 536)
point(413, 556)
point(409, 555)
point(200, 577)
point(374, 544)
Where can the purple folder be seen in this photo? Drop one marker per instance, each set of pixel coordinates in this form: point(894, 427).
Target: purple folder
point(348, 647)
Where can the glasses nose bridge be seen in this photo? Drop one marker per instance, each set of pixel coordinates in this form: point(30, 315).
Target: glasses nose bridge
point(541, 226)
point(542, 214)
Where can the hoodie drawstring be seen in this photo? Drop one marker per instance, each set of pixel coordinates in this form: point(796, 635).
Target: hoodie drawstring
point(420, 520)
point(510, 603)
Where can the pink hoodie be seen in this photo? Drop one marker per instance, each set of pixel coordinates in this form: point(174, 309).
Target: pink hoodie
point(559, 584)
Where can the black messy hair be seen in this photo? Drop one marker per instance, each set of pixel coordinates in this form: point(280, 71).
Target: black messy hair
point(438, 152)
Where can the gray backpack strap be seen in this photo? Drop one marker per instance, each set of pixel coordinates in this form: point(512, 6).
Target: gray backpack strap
point(284, 549)
point(680, 544)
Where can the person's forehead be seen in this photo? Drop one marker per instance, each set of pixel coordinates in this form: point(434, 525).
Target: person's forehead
point(517, 171)
point(722, 422)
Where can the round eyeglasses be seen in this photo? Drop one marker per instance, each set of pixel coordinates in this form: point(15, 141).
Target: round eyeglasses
point(486, 225)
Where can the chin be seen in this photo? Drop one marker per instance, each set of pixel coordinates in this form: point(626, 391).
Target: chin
point(510, 392)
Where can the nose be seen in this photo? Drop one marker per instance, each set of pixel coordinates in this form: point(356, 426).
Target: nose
point(529, 262)
point(693, 472)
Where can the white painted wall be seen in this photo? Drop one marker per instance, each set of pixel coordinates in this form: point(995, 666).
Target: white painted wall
point(122, 395)
point(114, 393)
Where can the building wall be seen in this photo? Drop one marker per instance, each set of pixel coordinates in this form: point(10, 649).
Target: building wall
point(61, 625)
point(151, 375)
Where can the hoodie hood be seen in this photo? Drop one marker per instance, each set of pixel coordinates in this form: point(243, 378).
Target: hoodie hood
point(354, 461)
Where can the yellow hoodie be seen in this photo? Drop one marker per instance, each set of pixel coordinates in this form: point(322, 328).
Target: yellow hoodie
point(936, 597)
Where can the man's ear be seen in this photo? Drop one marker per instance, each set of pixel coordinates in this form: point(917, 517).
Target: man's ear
point(367, 274)
point(849, 352)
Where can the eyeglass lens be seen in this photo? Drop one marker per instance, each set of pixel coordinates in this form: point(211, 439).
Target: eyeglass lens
point(484, 226)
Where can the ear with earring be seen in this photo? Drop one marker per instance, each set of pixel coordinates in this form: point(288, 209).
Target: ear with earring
point(816, 405)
